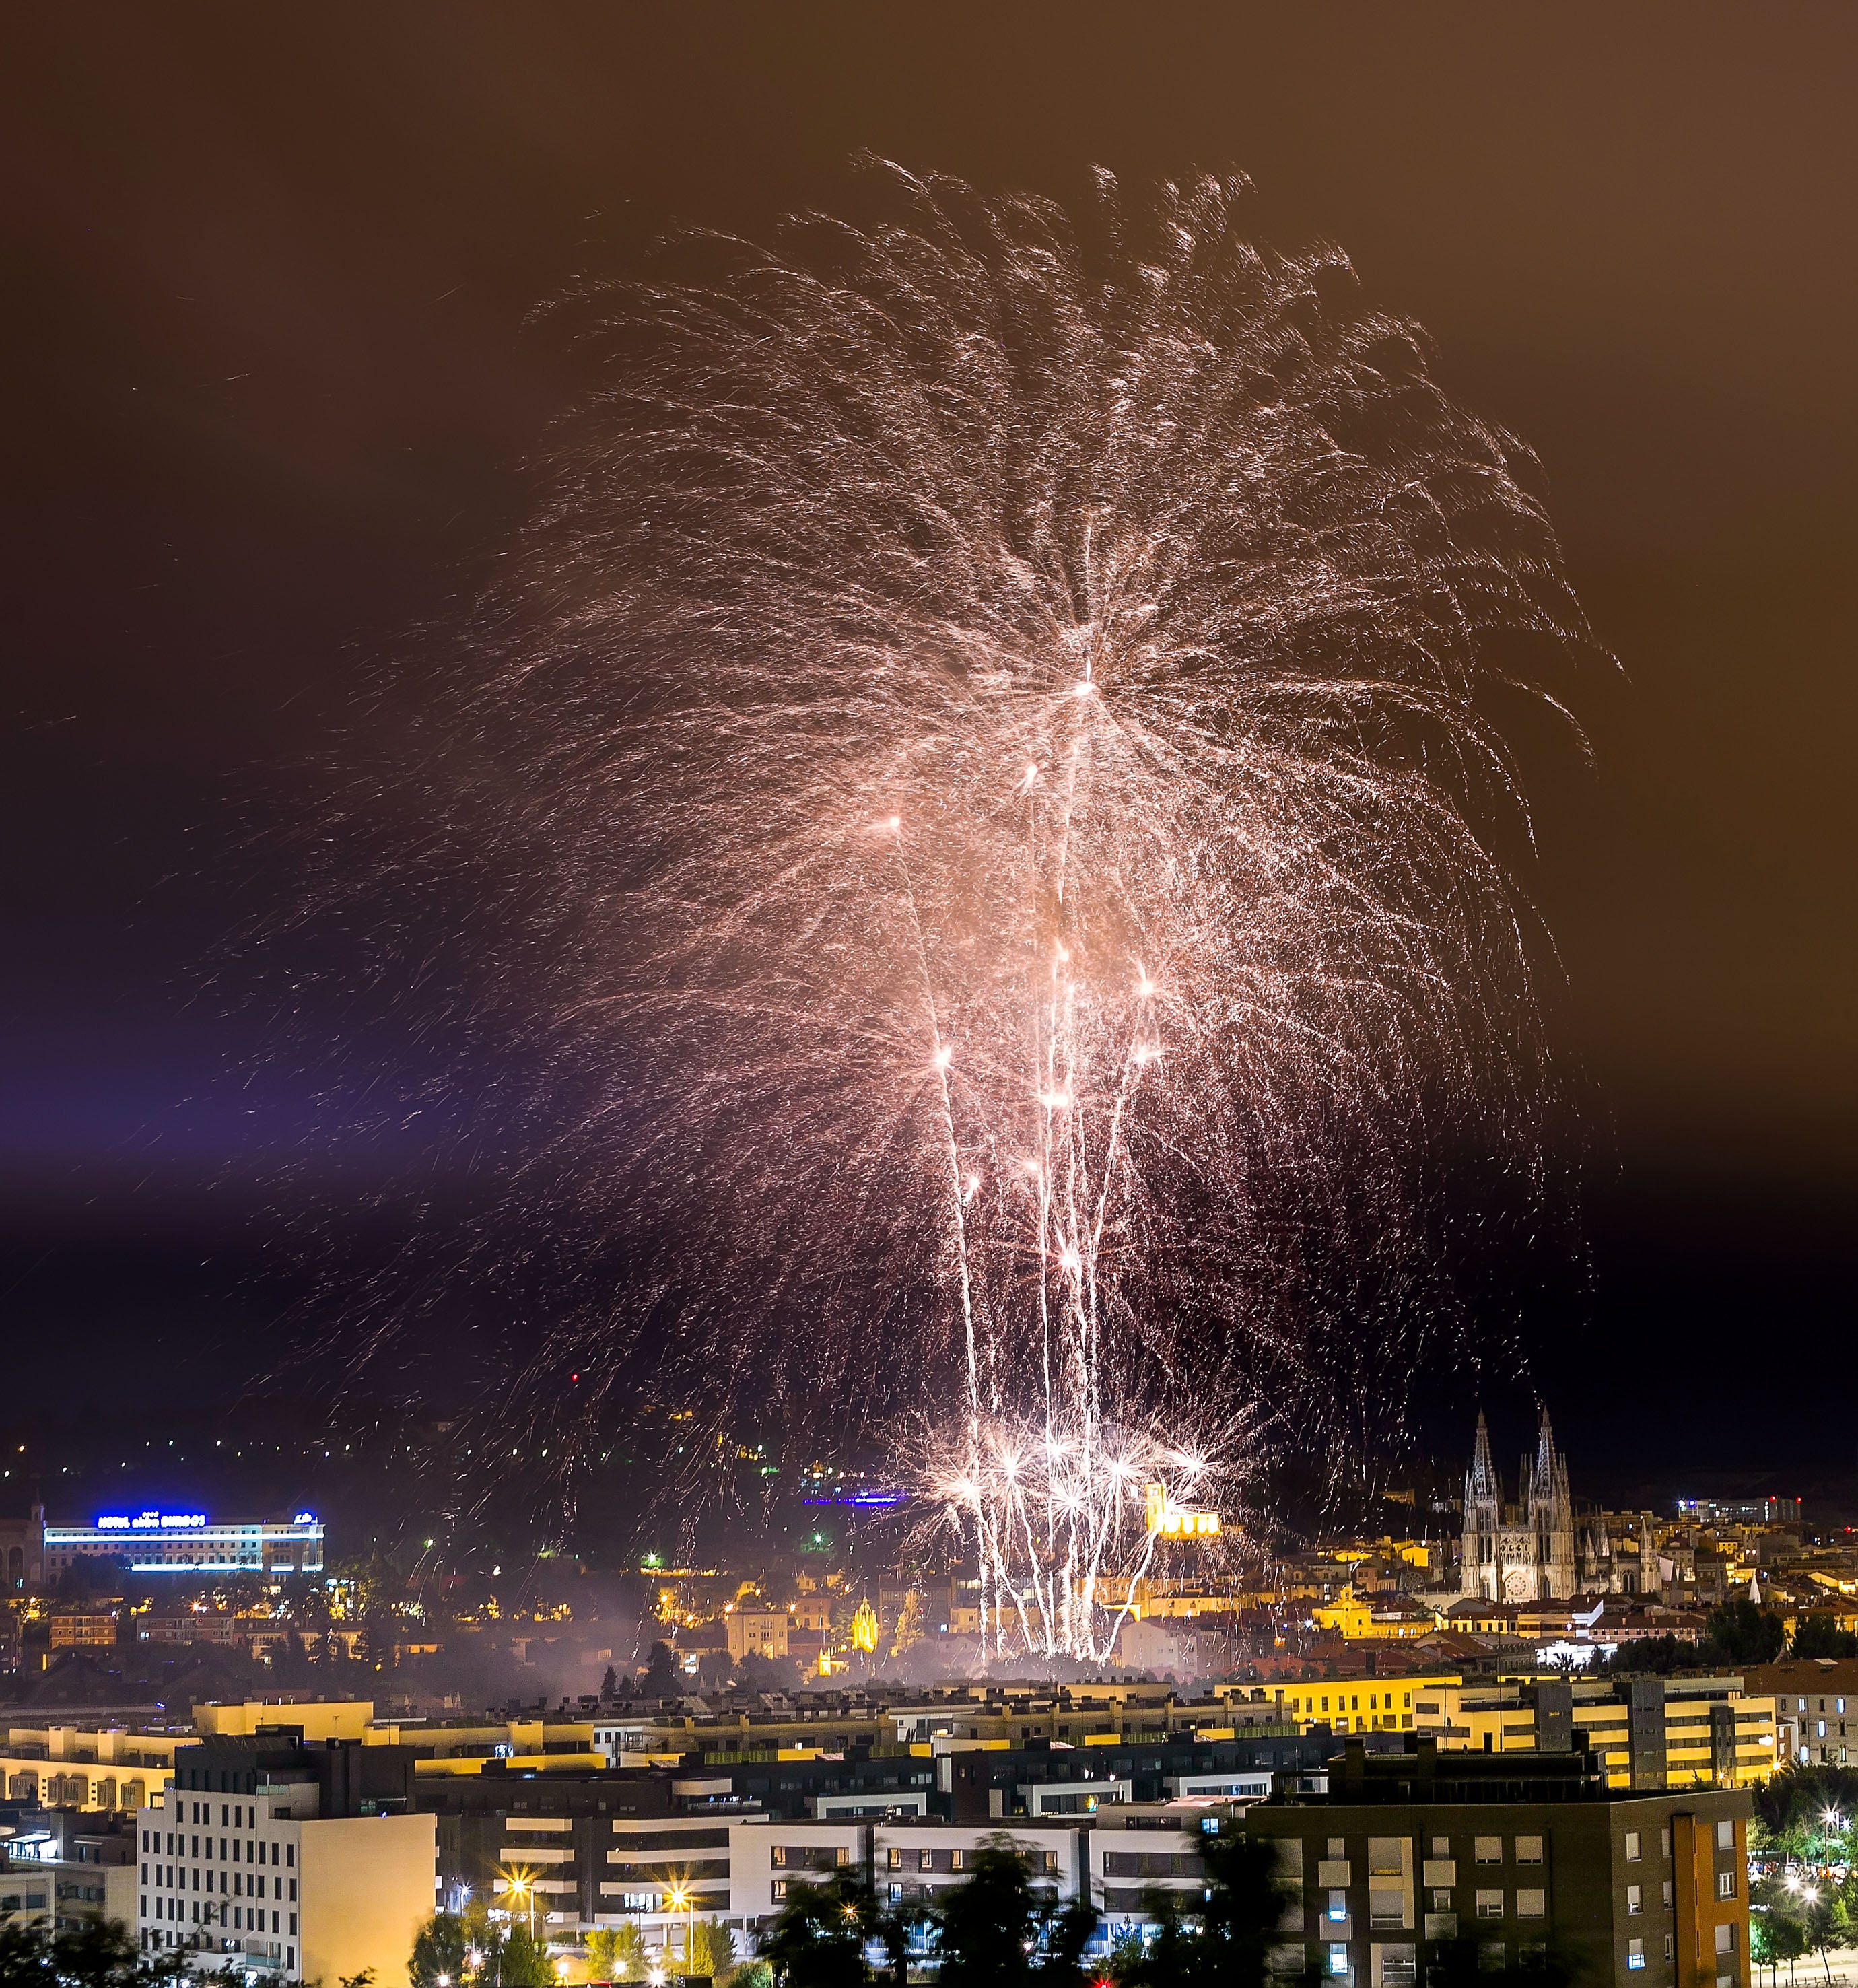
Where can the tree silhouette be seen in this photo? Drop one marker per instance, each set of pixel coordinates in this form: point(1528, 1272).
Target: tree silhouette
point(989, 1924)
point(817, 1939)
point(660, 1679)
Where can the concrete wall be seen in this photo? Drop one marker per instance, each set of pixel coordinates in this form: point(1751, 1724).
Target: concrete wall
point(366, 1890)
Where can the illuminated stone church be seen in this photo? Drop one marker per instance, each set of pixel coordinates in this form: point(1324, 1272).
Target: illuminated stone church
point(1523, 1552)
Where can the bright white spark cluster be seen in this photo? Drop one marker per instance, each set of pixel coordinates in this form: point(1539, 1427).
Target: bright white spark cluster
point(985, 739)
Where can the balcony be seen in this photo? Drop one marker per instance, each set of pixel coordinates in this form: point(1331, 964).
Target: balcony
point(1396, 1966)
point(1332, 1873)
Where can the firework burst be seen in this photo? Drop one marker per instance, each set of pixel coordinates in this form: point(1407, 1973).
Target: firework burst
point(982, 753)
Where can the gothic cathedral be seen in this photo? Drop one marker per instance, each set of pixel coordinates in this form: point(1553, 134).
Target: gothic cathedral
point(1523, 1552)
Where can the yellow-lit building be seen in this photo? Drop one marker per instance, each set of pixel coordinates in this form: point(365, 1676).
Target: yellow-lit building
point(1356, 1619)
point(811, 1611)
point(75, 1766)
point(1362, 1705)
point(321, 1718)
point(758, 1632)
point(91, 1626)
point(1647, 1732)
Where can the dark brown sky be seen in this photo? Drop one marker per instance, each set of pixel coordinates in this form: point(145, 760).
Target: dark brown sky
point(266, 272)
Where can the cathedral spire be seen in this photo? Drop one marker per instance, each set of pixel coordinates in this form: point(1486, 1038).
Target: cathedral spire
point(1545, 1456)
point(1483, 1480)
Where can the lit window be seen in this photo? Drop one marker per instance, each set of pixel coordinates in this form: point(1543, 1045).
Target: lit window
point(1632, 1846)
point(1635, 1954)
point(1726, 1884)
point(1490, 1904)
point(1725, 1836)
point(1338, 1905)
point(1532, 1905)
point(1528, 1850)
point(1338, 1958)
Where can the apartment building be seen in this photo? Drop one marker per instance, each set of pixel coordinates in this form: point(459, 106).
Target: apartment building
point(757, 1632)
point(564, 1858)
point(1146, 1847)
point(1649, 1733)
point(83, 1625)
point(86, 1767)
point(913, 1860)
point(1407, 1852)
point(299, 1862)
point(1362, 1704)
point(1816, 1705)
point(910, 1860)
point(61, 1869)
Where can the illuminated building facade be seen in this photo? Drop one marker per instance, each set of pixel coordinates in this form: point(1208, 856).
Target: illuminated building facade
point(1523, 1552)
point(156, 1542)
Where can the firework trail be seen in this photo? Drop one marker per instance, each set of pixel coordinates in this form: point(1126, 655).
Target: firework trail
point(983, 749)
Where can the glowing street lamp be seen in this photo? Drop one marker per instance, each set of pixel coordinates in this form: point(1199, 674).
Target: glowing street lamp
point(680, 1899)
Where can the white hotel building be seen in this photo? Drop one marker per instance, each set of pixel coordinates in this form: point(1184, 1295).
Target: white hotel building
point(156, 1542)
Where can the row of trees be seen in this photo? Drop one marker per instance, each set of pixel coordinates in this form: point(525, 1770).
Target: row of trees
point(457, 1947)
point(1805, 1901)
point(1739, 1632)
point(100, 1953)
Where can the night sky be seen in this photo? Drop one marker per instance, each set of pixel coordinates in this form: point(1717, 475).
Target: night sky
point(271, 394)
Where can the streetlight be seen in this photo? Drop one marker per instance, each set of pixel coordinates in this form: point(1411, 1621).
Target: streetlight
point(679, 1899)
point(520, 1888)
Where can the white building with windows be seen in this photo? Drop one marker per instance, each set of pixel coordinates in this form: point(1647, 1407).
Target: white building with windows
point(659, 1872)
point(158, 1542)
point(266, 1885)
